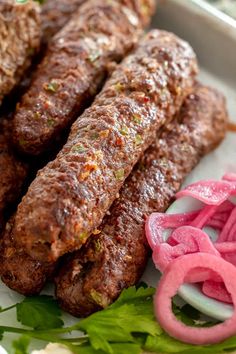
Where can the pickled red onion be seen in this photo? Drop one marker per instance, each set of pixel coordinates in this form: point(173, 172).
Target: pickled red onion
point(186, 240)
point(209, 192)
point(173, 278)
point(217, 290)
point(157, 222)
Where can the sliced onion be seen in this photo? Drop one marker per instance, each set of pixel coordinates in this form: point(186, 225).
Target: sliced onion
point(216, 290)
point(157, 222)
point(210, 192)
point(173, 278)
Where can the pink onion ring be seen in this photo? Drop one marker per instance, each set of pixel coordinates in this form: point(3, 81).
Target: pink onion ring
point(210, 192)
point(173, 278)
point(157, 222)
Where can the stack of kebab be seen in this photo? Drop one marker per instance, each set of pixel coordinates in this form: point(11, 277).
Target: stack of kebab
point(19, 39)
point(98, 29)
point(71, 195)
point(74, 68)
point(116, 255)
point(114, 48)
point(145, 91)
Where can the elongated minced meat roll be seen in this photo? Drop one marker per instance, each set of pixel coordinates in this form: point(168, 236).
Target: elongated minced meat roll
point(70, 196)
point(20, 33)
point(74, 68)
point(115, 257)
point(55, 14)
point(13, 170)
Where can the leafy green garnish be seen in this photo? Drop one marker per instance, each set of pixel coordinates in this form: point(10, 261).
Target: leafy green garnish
point(21, 345)
point(131, 313)
point(128, 326)
point(39, 312)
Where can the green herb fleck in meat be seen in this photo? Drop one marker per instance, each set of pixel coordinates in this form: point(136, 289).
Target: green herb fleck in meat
point(138, 139)
point(119, 87)
point(22, 142)
point(50, 122)
point(98, 298)
point(124, 130)
point(94, 56)
point(83, 236)
point(51, 86)
point(37, 115)
point(94, 136)
point(137, 119)
point(79, 149)
point(98, 246)
point(119, 174)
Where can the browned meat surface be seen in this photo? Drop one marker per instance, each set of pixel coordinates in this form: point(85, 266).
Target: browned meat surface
point(73, 70)
point(19, 39)
point(151, 187)
point(13, 171)
point(55, 14)
point(114, 259)
point(70, 196)
point(18, 270)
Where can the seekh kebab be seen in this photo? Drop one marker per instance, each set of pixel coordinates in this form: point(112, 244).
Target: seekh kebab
point(70, 196)
point(74, 68)
point(115, 257)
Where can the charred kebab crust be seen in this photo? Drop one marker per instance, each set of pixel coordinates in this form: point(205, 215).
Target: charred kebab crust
point(70, 196)
point(74, 68)
point(20, 39)
point(116, 255)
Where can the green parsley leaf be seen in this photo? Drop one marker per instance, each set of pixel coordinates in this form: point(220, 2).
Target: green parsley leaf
point(21, 345)
point(39, 312)
point(117, 348)
point(131, 313)
point(165, 344)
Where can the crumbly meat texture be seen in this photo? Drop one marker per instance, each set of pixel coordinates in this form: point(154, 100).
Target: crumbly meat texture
point(18, 270)
point(13, 170)
point(114, 259)
point(20, 34)
point(70, 196)
point(201, 126)
point(73, 69)
point(55, 14)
